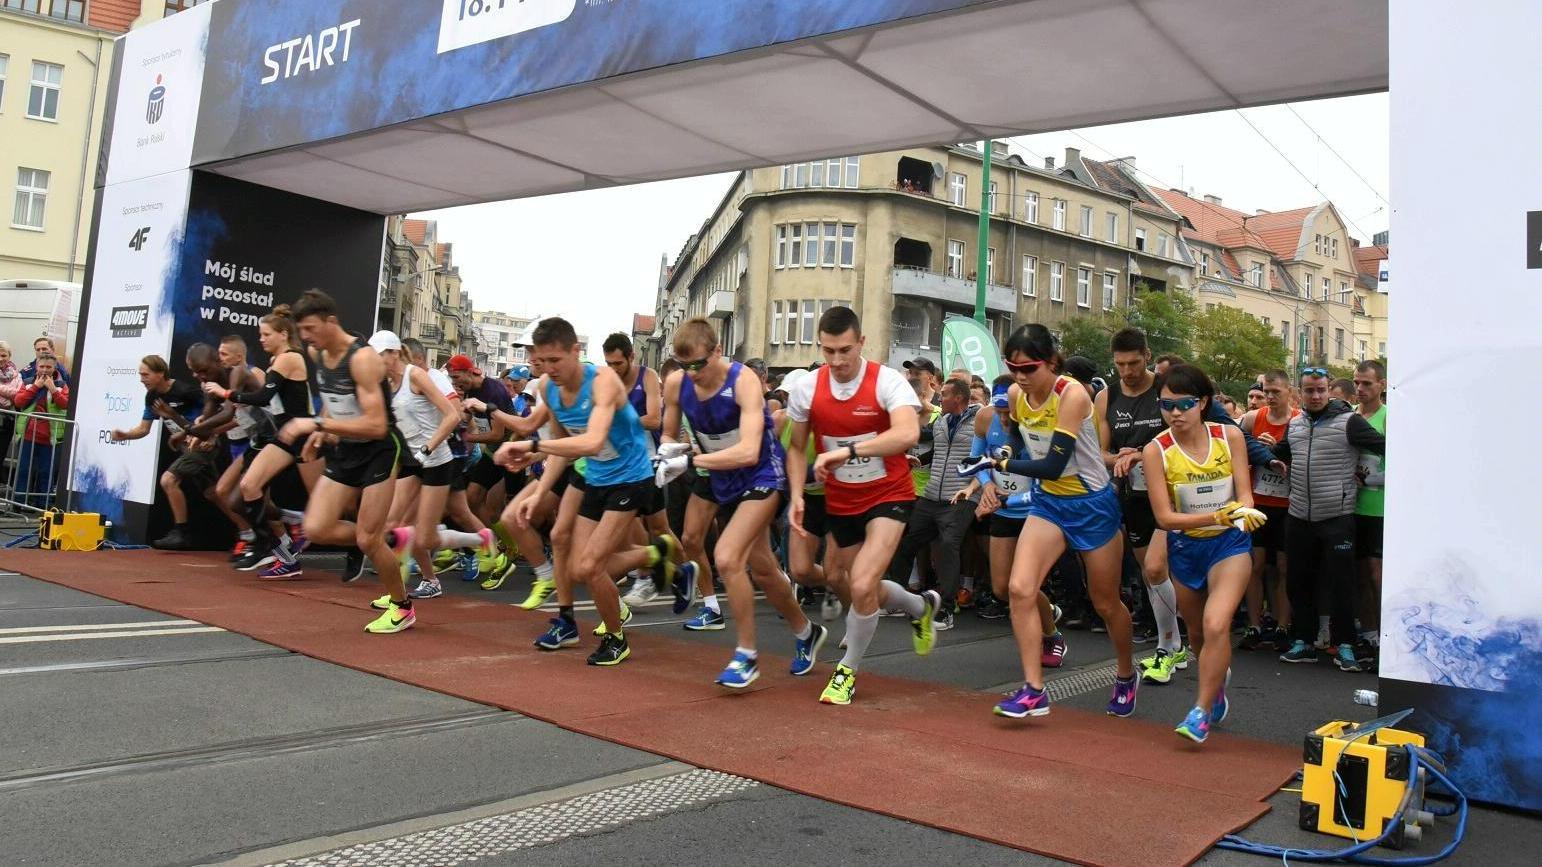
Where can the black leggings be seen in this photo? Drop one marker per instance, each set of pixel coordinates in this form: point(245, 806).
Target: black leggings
point(1321, 551)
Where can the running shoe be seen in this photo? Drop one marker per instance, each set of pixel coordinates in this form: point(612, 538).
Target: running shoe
point(445, 558)
point(494, 580)
point(943, 621)
point(643, 591)
point(1122, 703)
point(239, 550)
point(924, 631)
point(965, 598)
point(540, 591)
point(626, 617)
point(1299, 652)
point(1159, 668)
point(470, 566)
point(742, 671)
point(1024, 702)
point(1056, 613)
point(280, 571)
point(353, 566)
point(1054, 651)
point(1220, 707)
point(830, 607)
point(491, 564)
point(1250, 639)
point(968, 467)
point(176, 540)
point(395, 619)
point(1195, 726)
point(665, 571)
point(401, 543)
point(298, 541)
point(427, 589)
point(562, 633)
point(1345, 658)
point(1324, 639)
point(706, 620)
point(612, 651)
point(991, 609)
point(256, 557)
point(842, 686)
point(382, 603)
point(1140, 635)
point(683, 585)
point(805, 654)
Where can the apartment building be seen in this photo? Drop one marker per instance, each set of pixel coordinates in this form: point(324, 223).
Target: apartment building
point(55, 66)
point(500, 336)
point(895, 236)
point(421, 294)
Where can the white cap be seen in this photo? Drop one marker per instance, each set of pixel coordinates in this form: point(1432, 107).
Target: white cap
point(384, 340)
point(792, 378)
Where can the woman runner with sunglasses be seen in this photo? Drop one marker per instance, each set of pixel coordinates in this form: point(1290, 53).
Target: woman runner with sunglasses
point(1072, 505)
point(1206, 505)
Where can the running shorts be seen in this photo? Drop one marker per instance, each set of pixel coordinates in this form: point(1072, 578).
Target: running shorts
point(1088, 521)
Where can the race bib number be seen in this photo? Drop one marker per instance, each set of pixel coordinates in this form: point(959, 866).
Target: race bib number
point(1009, 484)
point(1369, 465)
point(1198, 498)
point(607, 451)
point(1138, 476)
point(1268, 483)
point(857, 471)
point(341, 406)
point(1036, 441)
point(716, 442)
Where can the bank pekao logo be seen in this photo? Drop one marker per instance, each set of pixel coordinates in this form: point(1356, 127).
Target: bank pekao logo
point(157, 103)
point(130, 321)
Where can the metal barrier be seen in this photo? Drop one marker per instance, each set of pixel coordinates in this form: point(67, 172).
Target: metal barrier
point(37, 448)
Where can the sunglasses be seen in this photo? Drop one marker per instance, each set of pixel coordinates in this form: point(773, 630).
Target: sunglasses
point(1024, 367)
point(1182, 404)
point(694, 366)
point(1314, 371)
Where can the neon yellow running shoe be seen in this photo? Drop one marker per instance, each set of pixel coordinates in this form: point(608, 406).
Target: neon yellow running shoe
point(540, 591)
point(495, 579)
point(626, 617)
point(381, 604)
point(394, 620)
point(843, 685)
point(491, 564)
point(1159, 668)
point(444, 559)
point(924, 631)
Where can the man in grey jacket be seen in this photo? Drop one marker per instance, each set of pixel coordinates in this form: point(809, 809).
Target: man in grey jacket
point(937, 516)
point(1322, 447)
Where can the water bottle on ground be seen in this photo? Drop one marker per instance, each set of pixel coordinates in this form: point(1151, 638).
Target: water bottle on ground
point(1367, 697)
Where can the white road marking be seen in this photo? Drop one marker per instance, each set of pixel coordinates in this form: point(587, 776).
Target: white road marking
point(87, 627)
point(82, 636)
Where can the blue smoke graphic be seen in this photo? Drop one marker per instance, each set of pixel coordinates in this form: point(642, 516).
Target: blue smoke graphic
point(184, 284)
point(95, 494)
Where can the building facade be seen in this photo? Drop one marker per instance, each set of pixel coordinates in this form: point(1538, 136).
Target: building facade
point(55, 62)
point(421, 295)
point(895, 236)
point(500, 336)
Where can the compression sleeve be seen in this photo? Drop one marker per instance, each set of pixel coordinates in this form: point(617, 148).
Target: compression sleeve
point(262, 396)
point(1053, 464)
point(976, 449)
point(1363, 436)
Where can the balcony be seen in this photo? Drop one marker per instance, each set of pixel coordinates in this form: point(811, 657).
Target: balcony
point(430, 333)
point(720, 305)
point(389, 296)
point(921, 283)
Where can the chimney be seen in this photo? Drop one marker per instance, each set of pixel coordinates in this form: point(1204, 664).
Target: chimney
point(1072, 155)
point(1049, 162)
point(1214, 200)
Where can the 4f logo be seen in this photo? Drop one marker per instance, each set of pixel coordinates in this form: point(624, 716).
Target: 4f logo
point(156, 106)
point(137, 242)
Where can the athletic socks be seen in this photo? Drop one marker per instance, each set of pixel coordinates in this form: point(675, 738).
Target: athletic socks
point(1164, 606)
point(859, 634)
point(246, 535)
point(565, 612)
point(896, 598)
point(712, 603)
point(747, 651)
point(544, 571)
point(456, 539)
point(808, 630)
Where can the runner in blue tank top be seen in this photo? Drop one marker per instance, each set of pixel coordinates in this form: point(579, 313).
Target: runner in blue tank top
point(590, 406)
point(643, 393)
point(745, 464)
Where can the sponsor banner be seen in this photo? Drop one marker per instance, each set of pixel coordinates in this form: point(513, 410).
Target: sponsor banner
point(970, 345)
point(290, 72)
point(238, 262)
point(139, 240)
point(1461, 612)
point(160, 85)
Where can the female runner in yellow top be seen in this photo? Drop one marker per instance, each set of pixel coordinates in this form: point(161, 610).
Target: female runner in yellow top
point(1206, 506)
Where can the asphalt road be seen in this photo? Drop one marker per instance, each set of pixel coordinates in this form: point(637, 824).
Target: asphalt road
point(134, 738)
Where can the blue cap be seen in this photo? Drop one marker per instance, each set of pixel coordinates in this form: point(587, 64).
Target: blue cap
point(999, 395)
point(518, 371)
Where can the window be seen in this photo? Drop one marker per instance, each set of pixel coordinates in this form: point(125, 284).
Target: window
point(1338, 343)
point(816, 174)
point(851, 172)
point(1317, 244)
point(1204, 264)
point(1343, 293)
point(1086, 222)
point(5, 63)
point(181, 5)
point(848, 245)
point(800, 175)
point(810, 245)
point(781, 246)
point(31, 198)
point(1265, 321)
point(1322, 346)
point(955, 258)
point(43, 101)
point(1209, 307)
point(1327, 288)
point(23, 5)
point(1256, 275)
point(776, 323)
point(1031, 276)
point(69, 10)
point(790, 336)
point(1161, 244)
point(993, 197)
point(1285, 334)
point(1060, 214)
point(990, 264)
point(1333, 248)
point(1381, 348)
point(1057, 281)
point(1363, 349)
point(1031, 208)
point(1110, 281)
point(1140, 239)
point(832, 242)
point(1083, 287)
point(808, 322)
point(1113, 228)
point(956, 186)
point(795, 245)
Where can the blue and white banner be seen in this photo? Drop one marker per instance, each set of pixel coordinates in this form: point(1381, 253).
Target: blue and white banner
point(160, 89)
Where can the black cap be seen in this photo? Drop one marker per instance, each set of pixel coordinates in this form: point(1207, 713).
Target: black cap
point(1081, 369)
point(921, 364)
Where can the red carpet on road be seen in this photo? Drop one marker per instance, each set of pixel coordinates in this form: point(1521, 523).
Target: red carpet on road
point(1072, 785)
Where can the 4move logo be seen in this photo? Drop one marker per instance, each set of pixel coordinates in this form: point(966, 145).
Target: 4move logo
point(130, 321)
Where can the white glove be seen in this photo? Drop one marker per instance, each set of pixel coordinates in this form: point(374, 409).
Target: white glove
point(670, 469)
point(673, 450)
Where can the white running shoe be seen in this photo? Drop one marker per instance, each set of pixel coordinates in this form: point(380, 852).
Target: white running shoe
point(642, 592)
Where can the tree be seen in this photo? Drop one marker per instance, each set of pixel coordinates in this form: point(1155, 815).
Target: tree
point(1234, 348)
point(1088, 336)
point(1166, 317)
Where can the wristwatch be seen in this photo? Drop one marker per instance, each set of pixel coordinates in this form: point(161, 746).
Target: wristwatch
point(321, 422)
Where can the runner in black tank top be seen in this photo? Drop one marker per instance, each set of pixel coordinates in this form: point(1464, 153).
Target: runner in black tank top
point(356, 403)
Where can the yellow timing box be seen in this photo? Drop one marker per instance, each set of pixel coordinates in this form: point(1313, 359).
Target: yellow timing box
point(71, 531)
point(1374, 768)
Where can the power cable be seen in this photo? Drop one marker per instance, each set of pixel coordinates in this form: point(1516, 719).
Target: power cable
point(1341, 159)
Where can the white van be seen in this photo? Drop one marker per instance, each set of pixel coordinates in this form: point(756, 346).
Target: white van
point(30, 309)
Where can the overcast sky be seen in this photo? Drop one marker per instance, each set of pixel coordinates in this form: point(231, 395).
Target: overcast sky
point(534, 255)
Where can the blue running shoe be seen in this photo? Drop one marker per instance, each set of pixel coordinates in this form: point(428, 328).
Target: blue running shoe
point(684, 587)
point(741, 672)
point(1195, 726)
point(1346, 659)
point(1219, 709)
point(1122, 703)
point(1026, 701)
point(563, 633)
point(426, 590)
point(805, 654)
point(705, 620)
point(470, 567)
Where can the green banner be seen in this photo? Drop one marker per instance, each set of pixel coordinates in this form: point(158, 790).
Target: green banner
point(970, 345)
